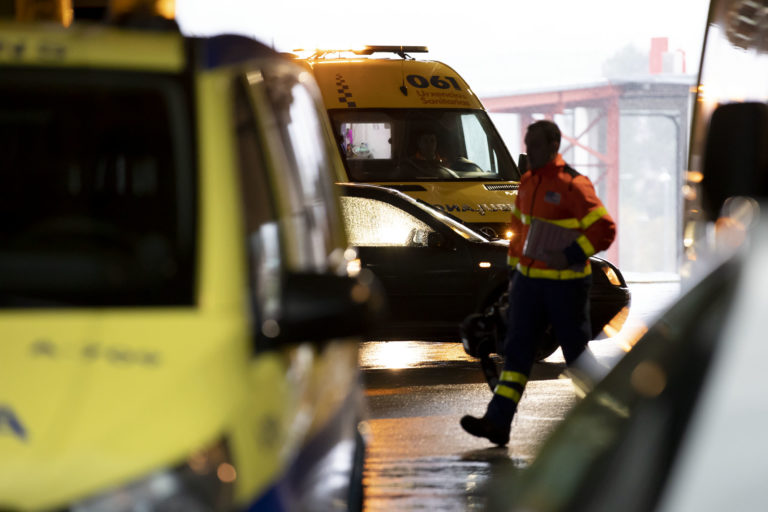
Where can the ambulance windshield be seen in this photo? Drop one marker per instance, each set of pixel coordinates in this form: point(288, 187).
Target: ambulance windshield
point(421, 145)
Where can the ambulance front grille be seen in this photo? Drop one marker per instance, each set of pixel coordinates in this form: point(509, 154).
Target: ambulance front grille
point(505, 186)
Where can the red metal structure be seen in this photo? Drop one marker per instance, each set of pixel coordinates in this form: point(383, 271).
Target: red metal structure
point(599, 134)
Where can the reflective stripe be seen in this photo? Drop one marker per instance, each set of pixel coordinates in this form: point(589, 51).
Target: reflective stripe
point(563, 223)
point(569, 223)
point(547, 273)
point(517, 213)
point(512, 260)
point(510, 376)
point(585, 245)
point(507, 392)
point(593, 217)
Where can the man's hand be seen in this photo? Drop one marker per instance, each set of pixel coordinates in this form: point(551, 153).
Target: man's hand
point(556, 260)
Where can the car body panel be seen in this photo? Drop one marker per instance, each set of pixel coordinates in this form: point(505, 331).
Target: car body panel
point(96, 395)
point(435, 277)
point(99, 401)
point(356, 78)
point(477, 204)
point(732, 408)
point(74, 47)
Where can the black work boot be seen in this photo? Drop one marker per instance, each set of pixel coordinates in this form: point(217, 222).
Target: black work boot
point(483, 427)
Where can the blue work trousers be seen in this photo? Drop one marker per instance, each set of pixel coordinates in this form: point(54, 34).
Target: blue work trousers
point(533, 305)
point(536, 303)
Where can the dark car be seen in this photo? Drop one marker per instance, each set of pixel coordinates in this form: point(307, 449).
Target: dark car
point(436, 271)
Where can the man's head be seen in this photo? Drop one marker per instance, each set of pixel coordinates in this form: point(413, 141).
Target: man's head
point(542, 141)
point(427, 145)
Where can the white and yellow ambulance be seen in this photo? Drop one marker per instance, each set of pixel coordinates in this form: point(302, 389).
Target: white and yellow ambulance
point(178, 327)
point(416, 126)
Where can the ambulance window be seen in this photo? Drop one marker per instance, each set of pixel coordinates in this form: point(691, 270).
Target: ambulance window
point(383, 145)
point(262, 232)
point(309, 174)
point(476, 142)
point(369, 140)
point(373, 223)
point(97, 190)
point(254, 179)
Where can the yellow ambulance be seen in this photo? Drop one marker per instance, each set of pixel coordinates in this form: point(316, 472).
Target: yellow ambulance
point(416, 126)
point(178, 323)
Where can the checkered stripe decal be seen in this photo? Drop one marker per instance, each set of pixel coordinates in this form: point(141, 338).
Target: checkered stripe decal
point(344, 95)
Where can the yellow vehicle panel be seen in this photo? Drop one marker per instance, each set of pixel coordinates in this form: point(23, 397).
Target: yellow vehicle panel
point(288, 395)
point(94, 399)
point(379, 83)
point(416, 126)
point(90, 46)
point(472, 202)
point(87, 389)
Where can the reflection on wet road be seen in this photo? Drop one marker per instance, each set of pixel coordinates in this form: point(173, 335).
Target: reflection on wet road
point(418, 456)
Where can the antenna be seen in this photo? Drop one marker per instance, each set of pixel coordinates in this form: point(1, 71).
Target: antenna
point(401, 51)
point(403, 87)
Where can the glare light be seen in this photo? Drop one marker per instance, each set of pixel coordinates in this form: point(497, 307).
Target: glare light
point(694, 176)
point(689, 193)
point(360, 293)
point(611, 275)
point(484, 264)
point(509, 234)
point(395, 355)
point(178, 488)
point(613, 327)
point(226, 472)
point(353, 267)
point(254, 77)
point(628, 337)
point(649, 378)
point(270, 328)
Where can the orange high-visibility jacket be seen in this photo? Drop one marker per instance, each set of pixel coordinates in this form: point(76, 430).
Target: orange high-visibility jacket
point(558, 194)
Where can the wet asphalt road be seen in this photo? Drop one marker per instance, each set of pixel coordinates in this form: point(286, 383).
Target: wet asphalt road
point(418, 456)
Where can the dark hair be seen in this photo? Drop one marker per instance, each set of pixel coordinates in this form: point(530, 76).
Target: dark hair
point(550, 129)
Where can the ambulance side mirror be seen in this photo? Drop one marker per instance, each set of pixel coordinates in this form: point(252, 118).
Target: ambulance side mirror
point(319, 307)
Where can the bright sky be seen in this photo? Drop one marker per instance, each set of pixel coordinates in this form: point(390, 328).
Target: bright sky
point(497, 46)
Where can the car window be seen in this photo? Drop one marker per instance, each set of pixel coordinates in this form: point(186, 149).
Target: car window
point(382, 145)
point(374, 223)
point(262, 231)
point(308, 175)
point(97, 189)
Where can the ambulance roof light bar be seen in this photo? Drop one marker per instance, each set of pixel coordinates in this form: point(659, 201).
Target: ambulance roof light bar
point(402, 51)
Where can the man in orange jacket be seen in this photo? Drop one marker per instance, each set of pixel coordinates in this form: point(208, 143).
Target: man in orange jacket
point(564, 222)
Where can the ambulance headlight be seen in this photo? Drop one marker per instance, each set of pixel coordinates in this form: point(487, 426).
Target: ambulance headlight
point(205, 482)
